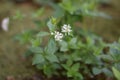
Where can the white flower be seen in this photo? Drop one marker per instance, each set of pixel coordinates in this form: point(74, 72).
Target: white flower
point(66, 29)
point(58, 36)
point(5, 24)
point(52, 33)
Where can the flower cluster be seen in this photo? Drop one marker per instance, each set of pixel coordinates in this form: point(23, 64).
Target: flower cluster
point(66, 29)
point(58, 35)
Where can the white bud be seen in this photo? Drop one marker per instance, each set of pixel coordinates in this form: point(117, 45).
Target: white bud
point(66, 29)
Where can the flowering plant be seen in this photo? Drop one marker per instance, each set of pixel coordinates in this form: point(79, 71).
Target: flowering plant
point(67, 54)
point(66, 50)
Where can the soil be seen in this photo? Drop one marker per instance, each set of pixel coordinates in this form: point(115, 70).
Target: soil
point(13, 64)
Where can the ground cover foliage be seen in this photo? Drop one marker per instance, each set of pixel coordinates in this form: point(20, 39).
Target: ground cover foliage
point(68, 51)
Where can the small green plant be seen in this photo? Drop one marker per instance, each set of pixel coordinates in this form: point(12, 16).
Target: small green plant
point(70, 53)
point(66, 50)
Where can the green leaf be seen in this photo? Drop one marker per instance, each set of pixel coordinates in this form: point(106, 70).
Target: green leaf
point(97, 50)
point(63, 46)
point(51, 57)
point(69, 62)
point(37, 59)
point(106, 57)
point(90, 41)
point(75, 67)
point(116, 73)
point(38, 13)
point(79, 75)
point(36, 49)
point(69, 74)
point(40, 66)
point(74, 70)
point(72, 43)
point(18, 15)
point(51, 26)
point(42, 34)
point(70, 6)
point(96, 71)
point(36, 42)
point(59, 12)
point(48, 70)
point(107, 72)
point(67, 5)
point(75, 56)
point(51, 48)
point(65, 67)
point(25, 37)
